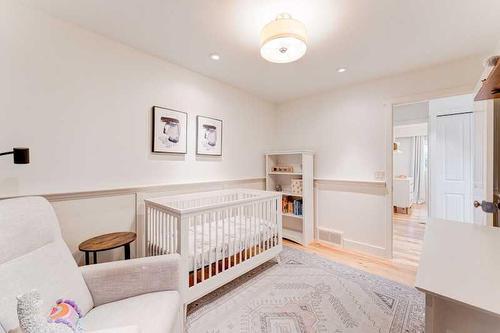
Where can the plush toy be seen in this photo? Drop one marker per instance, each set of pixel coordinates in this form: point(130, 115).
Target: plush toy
point(66, 312)
point(63, 317)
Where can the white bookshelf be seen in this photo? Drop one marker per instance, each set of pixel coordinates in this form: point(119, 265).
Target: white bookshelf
point(297, 228)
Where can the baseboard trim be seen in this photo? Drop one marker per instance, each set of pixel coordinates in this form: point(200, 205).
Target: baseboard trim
point(365, 247)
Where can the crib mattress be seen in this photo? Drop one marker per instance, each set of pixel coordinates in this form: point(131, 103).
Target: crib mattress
point(222, 239)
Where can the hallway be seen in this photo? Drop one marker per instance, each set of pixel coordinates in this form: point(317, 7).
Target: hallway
point(408, 235)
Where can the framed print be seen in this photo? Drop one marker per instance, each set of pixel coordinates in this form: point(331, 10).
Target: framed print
point(208, 136)
point(169, 131)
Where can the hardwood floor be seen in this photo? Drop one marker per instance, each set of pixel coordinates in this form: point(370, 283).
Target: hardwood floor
point(408, 233)
point(384, 267)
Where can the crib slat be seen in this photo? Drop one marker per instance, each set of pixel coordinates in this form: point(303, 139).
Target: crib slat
point(146, 231)
point(168, 234)
point(170, 219)
point(268, 224)
point(263, 225)
point(223, 240)
point(158, 232)
point(240, 217)
point(165, 233)
point(233, 223)
point(210, 229)
point(173, 233)
point(202, 251)
point(249, 228)
point(176, 232)
point(195, 261)
point(257, 229)
point(245, 215)
point(162, 232)
point(274, 221)
point(151, 231)
point(155, 231)
point(158, 224)
point(217, 249)
point(254, 236)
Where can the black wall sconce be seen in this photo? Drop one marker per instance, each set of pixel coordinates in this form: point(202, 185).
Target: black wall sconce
point(21, 155)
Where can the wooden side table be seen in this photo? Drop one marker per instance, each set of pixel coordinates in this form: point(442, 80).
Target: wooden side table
point(107, 242)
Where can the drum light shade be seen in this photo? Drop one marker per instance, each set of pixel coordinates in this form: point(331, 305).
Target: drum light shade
point(283, 40)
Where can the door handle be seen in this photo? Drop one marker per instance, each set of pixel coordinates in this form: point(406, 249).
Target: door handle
point(487, 206)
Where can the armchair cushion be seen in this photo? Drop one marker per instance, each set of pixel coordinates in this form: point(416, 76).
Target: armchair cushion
point(127, 278)
point(33, 255)
point(153, 313)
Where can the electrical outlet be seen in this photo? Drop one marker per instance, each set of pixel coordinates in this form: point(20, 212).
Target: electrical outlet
point(380, 175)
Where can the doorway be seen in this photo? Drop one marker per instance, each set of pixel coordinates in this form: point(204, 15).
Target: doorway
point(410, 180)
point(435, 169)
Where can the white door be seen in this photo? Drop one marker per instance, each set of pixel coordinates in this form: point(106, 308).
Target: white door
point(482, 149)
point(451, 167)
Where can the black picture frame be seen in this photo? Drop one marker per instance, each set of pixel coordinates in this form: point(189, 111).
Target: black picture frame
point(155, 136)
point(200, 150)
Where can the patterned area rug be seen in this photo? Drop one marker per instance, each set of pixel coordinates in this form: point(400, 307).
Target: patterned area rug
point(307, 293)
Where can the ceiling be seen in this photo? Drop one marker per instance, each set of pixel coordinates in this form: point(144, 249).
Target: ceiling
point(370, 38)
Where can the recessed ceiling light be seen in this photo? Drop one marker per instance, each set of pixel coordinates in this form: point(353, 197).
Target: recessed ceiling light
point(214, 56)
point(341, 70)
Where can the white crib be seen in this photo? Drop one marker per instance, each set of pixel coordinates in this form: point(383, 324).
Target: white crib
point(220, 234)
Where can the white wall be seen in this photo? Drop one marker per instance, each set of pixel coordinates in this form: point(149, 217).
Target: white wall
point(403, 159)
point(82, 104)
point(411, 113)
point(405, 131)
point(349, 130)
point(402, 164)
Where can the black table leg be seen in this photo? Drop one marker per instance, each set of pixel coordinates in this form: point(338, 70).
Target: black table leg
point(95, 257)
point(127, 251)
point(87, 258)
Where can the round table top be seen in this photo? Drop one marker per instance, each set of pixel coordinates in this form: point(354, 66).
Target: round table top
point(107, 241)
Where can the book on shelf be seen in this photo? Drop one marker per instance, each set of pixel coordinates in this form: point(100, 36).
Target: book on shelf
point(292, 206)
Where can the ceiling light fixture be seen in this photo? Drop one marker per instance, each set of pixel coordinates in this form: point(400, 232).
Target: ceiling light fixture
point(214, 56)
point(341, 70)
point(283, 40)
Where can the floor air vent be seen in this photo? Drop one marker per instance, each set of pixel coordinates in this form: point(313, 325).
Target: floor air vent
point(331, 236)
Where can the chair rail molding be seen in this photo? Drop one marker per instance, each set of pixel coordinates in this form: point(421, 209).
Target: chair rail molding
point(61, 196)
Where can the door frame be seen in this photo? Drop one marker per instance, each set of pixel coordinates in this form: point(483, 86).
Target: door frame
point(388, 112)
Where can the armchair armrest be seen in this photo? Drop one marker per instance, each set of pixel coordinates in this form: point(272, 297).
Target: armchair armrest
point(113, 281)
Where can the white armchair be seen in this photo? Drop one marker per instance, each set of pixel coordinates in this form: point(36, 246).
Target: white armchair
point(139, 295)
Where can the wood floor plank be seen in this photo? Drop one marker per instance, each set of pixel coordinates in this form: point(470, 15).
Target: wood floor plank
point(408, 233)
